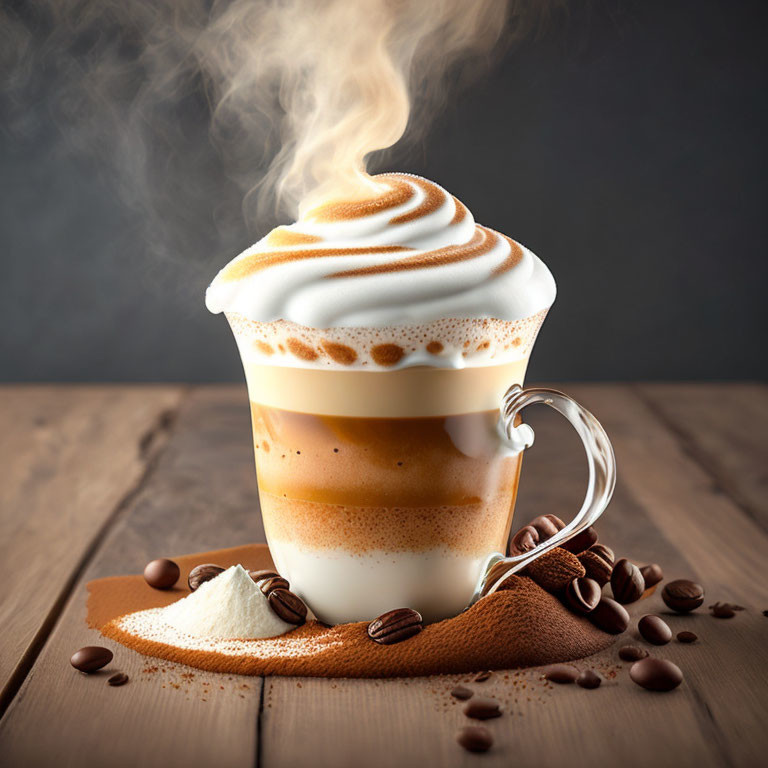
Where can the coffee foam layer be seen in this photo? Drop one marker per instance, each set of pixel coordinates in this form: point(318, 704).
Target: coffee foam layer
point(446, 343)
point(411, 255)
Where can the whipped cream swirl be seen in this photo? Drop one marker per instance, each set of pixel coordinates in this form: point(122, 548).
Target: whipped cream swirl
point(412, 255)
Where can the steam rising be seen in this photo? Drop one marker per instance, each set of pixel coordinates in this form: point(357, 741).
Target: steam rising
point(296, 95)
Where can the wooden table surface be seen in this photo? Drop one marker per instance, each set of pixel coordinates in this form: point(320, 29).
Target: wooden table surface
point(97, 480)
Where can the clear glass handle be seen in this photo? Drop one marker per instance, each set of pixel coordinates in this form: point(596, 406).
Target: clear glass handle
point(600, 460)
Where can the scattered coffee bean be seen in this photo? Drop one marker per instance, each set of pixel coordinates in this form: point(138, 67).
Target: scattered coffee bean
point(562, 674)
point(589, 679)
point(582, 595)
point(654, 629)
point(119, 679)
point(481, 677)
point(683, 595)
point(595, 567)
point(474, 738)
point(547, 526)
point(202, 573)
point(765, 613)
point(632, 653)
point(627, 582)
point(524, 540)
point(482, 708)
point(581, 541)
point(722, 611)
point(91, 658)
point(687, 637)
point(606, 553)
point(289, 607)
point(462, 693)
point(162, 573)
point(395, 626)
point(656, 674)
point(266, 585)
point(652, 575)
point(609, 616)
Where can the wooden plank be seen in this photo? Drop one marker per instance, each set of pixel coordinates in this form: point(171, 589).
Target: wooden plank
point(70, 456)
point(724, 427)
point(201, 495)
point(713, 719)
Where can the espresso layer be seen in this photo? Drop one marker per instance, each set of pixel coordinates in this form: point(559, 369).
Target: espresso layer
point(376, 463)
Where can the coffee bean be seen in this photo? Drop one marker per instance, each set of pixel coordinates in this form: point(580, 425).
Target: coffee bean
point(722, 611)
point(687, 637)
point(627, 582)
point(595, 567)
point(481, 677)
point(259, 575)
point(581, 541)
point(652, 575)
point(524, 540)
point(656, 674)
point(202, 573)
point(765, 613)
point(547, 526)
point(582, 595)
point(395, 626)
point(683, 595)
point(632, 653)
point(482, 708)
point(474, 738)
point(289, 607)
point(162, 573)
point(606, 553)
point(562, 674)
point(654, 629)
point(270, 583)
point(589, 679)
point(462, 693)
point(609, 616)
point(91, 658)
point(119, 679)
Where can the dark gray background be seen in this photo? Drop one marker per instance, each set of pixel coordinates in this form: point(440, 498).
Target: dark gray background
point(627, 147)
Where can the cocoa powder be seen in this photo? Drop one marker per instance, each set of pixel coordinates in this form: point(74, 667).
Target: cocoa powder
point(521, 625)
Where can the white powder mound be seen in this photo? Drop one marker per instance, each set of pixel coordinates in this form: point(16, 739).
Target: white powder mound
point(226, 607)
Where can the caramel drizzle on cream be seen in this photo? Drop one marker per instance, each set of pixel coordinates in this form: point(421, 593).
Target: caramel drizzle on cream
point(398, 193)
point(483, 241)
point(433, 199)
point(399, 190)
point(257, 261)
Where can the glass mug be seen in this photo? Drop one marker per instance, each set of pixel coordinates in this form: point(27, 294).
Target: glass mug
point(369, 505)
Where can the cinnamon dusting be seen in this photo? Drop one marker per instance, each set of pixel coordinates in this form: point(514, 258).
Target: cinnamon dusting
point(300, 349)
point(339, 353)
point(387, 354)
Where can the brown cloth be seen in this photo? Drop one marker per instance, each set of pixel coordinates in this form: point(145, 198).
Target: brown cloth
point(521, 626)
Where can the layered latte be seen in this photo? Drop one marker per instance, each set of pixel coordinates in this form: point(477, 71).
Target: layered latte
point(378, 338)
